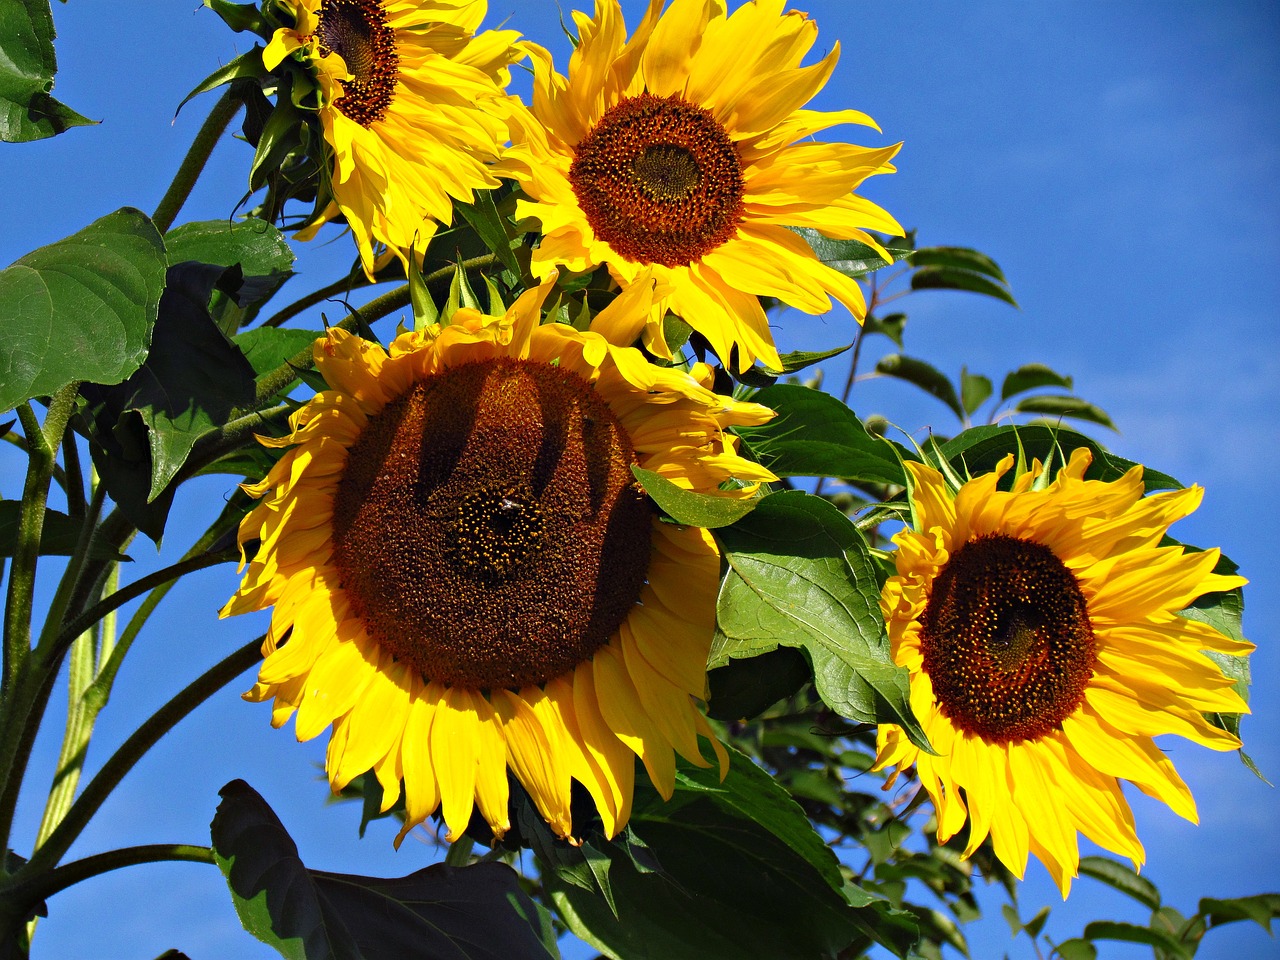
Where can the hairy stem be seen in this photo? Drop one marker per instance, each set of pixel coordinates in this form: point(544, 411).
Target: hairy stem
point(193, 163)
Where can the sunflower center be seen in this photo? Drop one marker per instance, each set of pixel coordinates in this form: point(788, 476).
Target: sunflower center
point(487, 527)
point(1006, 640)
point(659, 180)
point(357, 31)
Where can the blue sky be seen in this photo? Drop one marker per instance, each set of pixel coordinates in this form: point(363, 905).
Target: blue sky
point(1118, 159)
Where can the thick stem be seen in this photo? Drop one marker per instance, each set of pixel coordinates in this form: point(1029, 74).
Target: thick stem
point(133, 749)
point(197, 156)
point(31, 891)
point(352, 281)
point(136, 589)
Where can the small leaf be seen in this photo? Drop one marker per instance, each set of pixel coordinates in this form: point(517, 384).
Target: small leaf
point(958, 268)
point(974, 390)
point(1075, 949)
point(1032, 376)
point(239, 16)
point(850, 257)
point(1064, 406)
point(1261, 908)
point(1131, 933)
point(961, 258)
point(27, 67)
point(890, 326)
point(81, 308)
point(800, 574)
point(485, 219)
point(924, 375)
point(696, 509)
point(815, 435)
point(1122, 878)
point(469, 913)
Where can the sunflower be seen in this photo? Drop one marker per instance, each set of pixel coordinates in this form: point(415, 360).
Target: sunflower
point(675, 152)
point(1040, 628)
point(466, 577)
point(412, 107)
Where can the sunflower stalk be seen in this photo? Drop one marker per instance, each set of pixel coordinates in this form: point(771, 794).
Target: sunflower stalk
point(194, 162)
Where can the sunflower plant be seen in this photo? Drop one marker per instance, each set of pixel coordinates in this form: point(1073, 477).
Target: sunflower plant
point(575, 572)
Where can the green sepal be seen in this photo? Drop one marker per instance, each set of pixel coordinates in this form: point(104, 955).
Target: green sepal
point(246, 66)
point(241, 17)
point(483, 216)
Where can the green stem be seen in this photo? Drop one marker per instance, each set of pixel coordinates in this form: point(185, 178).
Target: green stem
point(24, 686)
point(136, 589)
point(132, 750)
point(197, 156)
point(352, 281)
point(37, 888)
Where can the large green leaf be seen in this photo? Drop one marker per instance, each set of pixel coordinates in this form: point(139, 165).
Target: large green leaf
point(267, 348)
point(257, 258)
point(800, 575)
point(145, 428)
point(815, 435)
point(27, 66)
point(744, 874)
point(742, 689)
point(438, 913)
point(81, 308)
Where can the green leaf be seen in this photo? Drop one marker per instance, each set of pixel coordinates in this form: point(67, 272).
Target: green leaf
point(239, 16)
point(27, 66)
point(1075, 949)
point(793, 362)
point(1131, 933)
point(257, 246)
point(192, 379)
point(890, 326)
point(958, 268)
point(1122, 878)
point(744, 875)
point(742, 689)
point(800, 575)
point(1032, 376)
point(850, 257)
point(979, 449)
point(58, 538)
point(974, 390)
point(815, 435)
point(81, 308)
point(469, 913)
point(485, 219)
point(957, 258)
point(1261, 908)
point(1064, 406)
point(696, 509)
point(923, 375)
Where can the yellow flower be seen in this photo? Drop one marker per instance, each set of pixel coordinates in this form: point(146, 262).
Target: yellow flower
point(1040, 628)
point(676, 152)
point(412, 106)
point(466, 577)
